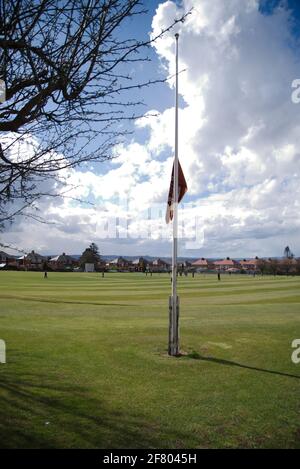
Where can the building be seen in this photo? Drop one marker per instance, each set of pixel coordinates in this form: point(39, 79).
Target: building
point(120, 264)
point(140, 264)
point(101, 265)
point(62, 262)
point(226, 264)
point(201, 264)
point(3, 257)
point(249, 265)
point(89, 267)
point(6, 260)
point(32, 261)
point(184, 267)
point(159, 265)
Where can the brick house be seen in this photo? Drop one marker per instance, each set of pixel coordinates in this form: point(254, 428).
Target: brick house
point(226, 264)
point(201, 264)
point(250, 264)
point(3, 257)
point(140, 264)
point(159, 265)
point(62, 262)
point(32, 261)
point(120, 264)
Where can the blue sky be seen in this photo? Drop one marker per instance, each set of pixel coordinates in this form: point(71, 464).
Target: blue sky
point(239, 143)
point(268, 6)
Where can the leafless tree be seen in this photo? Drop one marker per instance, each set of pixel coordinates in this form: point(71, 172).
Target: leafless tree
point(66, 68)
point(273, 266)
point(298, 266)
point(288, 266)
point(262, 266)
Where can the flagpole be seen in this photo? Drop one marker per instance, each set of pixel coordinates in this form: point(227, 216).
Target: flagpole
point(174, 300)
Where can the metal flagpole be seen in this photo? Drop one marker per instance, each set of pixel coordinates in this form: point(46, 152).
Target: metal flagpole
point(174, 300)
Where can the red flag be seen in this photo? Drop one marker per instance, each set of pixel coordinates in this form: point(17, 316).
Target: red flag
point(182, 188)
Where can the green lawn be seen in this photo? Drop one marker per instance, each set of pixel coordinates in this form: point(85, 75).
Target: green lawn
point(87, 363)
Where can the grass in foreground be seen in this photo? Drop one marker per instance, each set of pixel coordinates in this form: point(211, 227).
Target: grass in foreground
point(87, 363)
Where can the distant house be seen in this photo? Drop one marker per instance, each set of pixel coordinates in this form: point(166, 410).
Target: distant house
point(3, 256)
point(7, 260)
point(120, 263)
point(3, 259)
point(249, 265)
point(184, 266)
point(62, 262)
point(159, 265)
point(32, 261)
point(140, 264)
point(101, 265)
point(201, 264)
point(226, 264)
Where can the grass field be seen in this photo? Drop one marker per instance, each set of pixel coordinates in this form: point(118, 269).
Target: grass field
point(87, 363)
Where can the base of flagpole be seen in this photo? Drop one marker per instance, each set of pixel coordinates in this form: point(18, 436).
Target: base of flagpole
point(173, 349)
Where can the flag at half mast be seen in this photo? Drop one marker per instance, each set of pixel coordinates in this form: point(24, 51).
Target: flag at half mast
point(182, 188)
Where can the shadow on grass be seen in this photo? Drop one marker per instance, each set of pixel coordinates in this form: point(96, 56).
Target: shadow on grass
point(221, 361)
point(39, 411)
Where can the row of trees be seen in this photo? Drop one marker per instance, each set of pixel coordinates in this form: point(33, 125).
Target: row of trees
point(286, 266)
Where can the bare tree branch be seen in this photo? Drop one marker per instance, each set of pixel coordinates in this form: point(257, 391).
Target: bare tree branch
point(65, 64)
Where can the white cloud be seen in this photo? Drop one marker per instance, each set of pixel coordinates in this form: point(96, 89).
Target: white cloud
point(239, 140)
point(245, 144)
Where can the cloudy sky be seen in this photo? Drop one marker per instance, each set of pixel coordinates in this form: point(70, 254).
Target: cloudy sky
point(239, 145)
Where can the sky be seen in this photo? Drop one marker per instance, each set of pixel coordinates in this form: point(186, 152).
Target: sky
point(239, 144)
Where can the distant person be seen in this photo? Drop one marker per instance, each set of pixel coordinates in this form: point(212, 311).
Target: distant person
point(193, 274)
point(103, 274)
point(45, 274)
point(219, 276)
